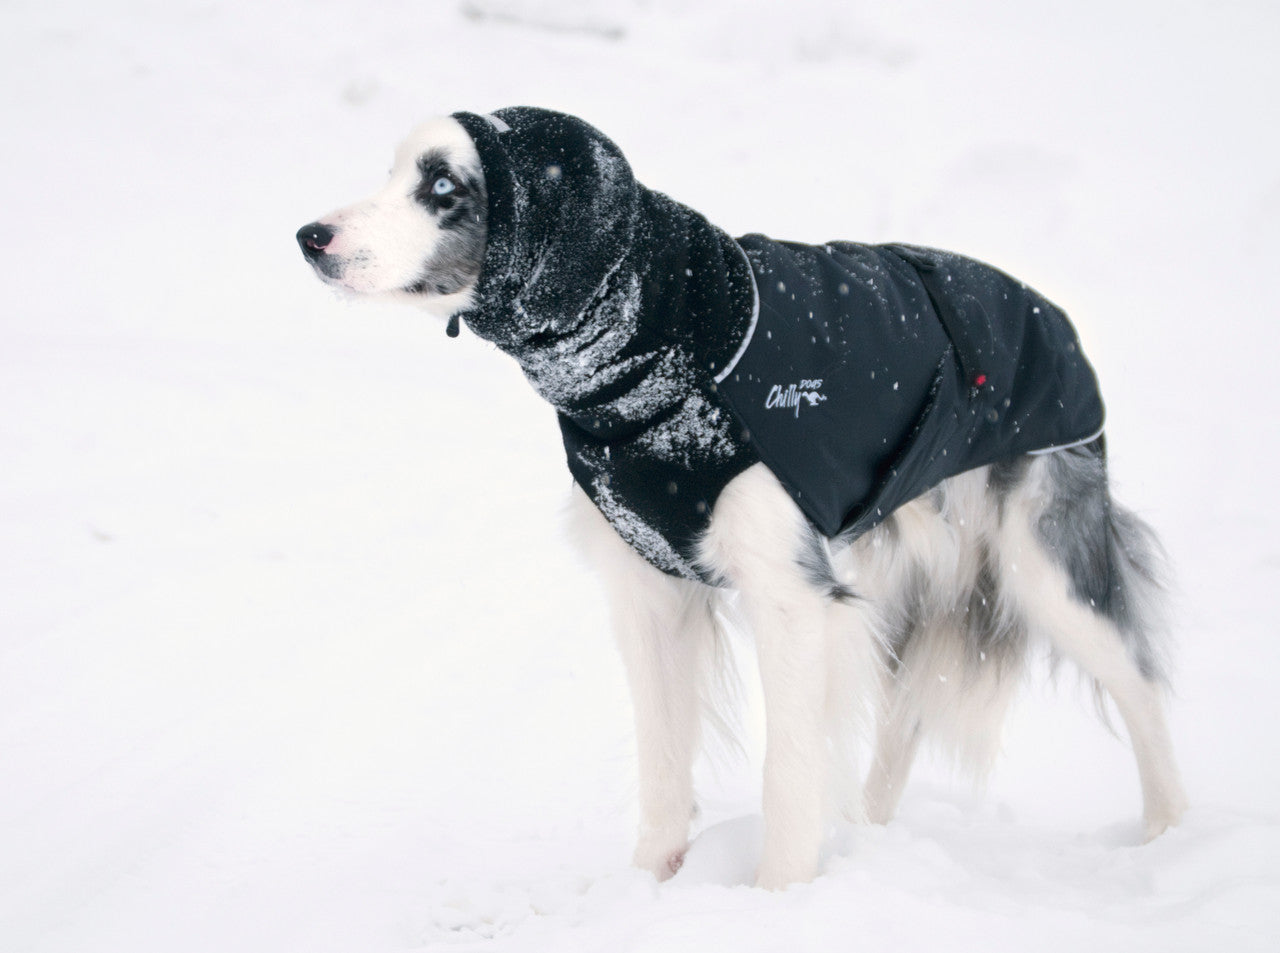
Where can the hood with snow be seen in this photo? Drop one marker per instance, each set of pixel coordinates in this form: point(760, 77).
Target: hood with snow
point(676, 357)
point(617, 303)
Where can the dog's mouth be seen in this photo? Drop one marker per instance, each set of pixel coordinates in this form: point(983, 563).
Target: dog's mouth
point(329, 269)
point(425, 286)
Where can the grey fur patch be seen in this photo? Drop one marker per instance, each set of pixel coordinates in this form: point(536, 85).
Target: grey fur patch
point(905, 615)
point(814, 560)
point(1005, 475)
point(991, 627)
point(458, 257)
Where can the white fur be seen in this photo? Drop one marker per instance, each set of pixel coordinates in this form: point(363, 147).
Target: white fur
point(383, 240)
point(823, 662)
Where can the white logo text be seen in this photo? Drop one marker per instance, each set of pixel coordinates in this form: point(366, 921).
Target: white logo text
point(794, 396)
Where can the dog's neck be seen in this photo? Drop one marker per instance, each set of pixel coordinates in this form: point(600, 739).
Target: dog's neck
point(658, 328)
point(611, 369)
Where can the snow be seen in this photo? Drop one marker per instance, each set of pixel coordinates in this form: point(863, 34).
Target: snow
point(294, 653)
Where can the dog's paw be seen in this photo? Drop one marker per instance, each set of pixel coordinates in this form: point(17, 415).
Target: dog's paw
point(1156, 822)
point(775, 880)
point(1163, 806)
point(660, 857)
point(781, 873)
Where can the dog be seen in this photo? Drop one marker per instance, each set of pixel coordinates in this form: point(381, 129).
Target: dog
point(906, 608)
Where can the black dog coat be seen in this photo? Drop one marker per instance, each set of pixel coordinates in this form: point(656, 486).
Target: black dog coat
point(677, 357)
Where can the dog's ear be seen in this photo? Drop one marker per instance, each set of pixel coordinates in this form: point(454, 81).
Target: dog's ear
point(578, 217)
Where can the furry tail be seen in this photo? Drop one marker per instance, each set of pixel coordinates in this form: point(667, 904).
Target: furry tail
point(1114, 560)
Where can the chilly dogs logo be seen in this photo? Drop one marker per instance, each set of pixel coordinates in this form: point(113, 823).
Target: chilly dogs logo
point(794, 396)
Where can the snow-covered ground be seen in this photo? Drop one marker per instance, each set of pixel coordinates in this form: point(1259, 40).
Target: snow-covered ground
point(294, 654)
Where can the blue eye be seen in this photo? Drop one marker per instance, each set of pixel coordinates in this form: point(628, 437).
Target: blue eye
point(443, 186)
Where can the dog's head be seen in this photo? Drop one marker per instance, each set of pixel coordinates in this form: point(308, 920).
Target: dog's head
point(517, 222)
point(422, 237)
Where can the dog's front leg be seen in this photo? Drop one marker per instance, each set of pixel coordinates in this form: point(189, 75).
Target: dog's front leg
point(756, 538)
point(662, 633)
point(666, 635)
point(791, 644)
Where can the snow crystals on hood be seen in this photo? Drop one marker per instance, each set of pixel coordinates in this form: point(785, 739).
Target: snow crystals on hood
point(639, 533)
point(571, 367)
point(696, 431)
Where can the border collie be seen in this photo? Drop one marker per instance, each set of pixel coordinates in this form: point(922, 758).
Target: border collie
point(923, 620)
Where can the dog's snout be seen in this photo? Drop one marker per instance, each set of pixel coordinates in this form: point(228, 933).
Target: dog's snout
point(314, 238)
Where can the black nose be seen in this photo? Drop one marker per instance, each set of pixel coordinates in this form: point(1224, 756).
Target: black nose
point(314, 238)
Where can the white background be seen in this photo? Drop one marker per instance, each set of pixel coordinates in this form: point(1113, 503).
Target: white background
point(294, 654)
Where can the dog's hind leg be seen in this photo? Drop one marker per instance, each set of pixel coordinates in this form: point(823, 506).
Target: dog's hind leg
point(853, 685)
point(1084, 573)
point(667, 637)
point(1091, 641)
point(898, 733)
point(759, 541)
